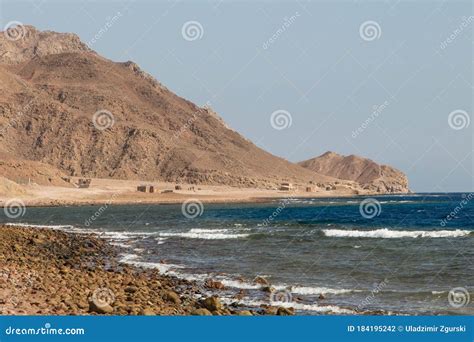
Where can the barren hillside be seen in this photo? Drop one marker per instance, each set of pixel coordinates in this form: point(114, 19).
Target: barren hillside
point(51, 85)
point(367, 173)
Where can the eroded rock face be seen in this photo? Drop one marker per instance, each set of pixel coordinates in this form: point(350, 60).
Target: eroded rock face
point(29, 43)
point(370, 175)
point(52, 84)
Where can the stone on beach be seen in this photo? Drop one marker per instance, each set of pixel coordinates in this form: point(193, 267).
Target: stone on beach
point(282, 311)
point(261, 280)
point(212, 284)
point(212, 303)
point(101, 309)
point(201, 312)
point(172, 297)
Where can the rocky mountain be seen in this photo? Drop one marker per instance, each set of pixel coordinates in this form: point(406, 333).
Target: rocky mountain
point(66, 107)
point(370, 175)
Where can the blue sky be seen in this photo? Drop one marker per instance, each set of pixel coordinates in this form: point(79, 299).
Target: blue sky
point(373, 78)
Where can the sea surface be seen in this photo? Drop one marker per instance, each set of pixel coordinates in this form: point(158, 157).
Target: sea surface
point(386, 254)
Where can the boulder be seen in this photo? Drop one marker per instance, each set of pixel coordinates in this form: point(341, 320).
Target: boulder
point(282, 311)
point(147, 312)
point(244, 313)
point(261, 281)
point(212, 303)
point(211, 284)
point(101, 309)
point(171, 296)
point(201, 312)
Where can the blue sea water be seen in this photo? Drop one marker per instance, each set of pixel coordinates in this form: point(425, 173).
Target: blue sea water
point(409, 254)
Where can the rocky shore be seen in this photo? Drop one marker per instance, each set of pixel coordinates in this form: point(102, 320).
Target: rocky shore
point(50, 272)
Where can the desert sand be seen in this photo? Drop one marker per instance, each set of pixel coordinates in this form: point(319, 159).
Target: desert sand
point(112, 191)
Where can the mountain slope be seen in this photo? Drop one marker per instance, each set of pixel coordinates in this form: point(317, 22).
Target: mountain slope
point(367, 173)
point(51, 85)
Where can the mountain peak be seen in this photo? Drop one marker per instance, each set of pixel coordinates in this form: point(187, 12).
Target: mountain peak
point(329, 154)
point(21, 43)
point(367, 173)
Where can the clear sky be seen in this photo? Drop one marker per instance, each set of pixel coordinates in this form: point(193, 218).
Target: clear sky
point(374, 78)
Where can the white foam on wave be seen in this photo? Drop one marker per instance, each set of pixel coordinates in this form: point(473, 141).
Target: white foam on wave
point(239, 284)
point(110, 235)
point(27, 225)
point(297, 306)
point(119, 244)
point(122, 235)
point(160, 240)
point(385, 233)
point(133, 259)
point(206, 234)
point(309, 290)
point(395, 201)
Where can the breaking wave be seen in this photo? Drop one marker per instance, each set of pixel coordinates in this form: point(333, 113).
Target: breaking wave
point(385, 233)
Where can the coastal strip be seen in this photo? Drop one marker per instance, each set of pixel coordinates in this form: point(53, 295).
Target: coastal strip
point(52, 272)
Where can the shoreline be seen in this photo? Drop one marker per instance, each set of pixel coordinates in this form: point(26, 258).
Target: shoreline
point(52, 272)
point(120, 192)
point(96, 281)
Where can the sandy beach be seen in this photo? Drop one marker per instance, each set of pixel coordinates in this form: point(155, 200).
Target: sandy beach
point(112, 191)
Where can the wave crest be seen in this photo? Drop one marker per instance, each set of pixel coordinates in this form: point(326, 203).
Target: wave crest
point(385, 233)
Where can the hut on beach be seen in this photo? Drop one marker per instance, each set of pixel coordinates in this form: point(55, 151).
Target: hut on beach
point(285, 186)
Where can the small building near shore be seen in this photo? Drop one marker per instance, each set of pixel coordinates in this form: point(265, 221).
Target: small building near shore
point(83, 183)
point(146, 188)
point(286, 186)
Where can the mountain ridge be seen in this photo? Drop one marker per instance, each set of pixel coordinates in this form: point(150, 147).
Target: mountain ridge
point(155, 134)
point(65, 106)
point(370, 175)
